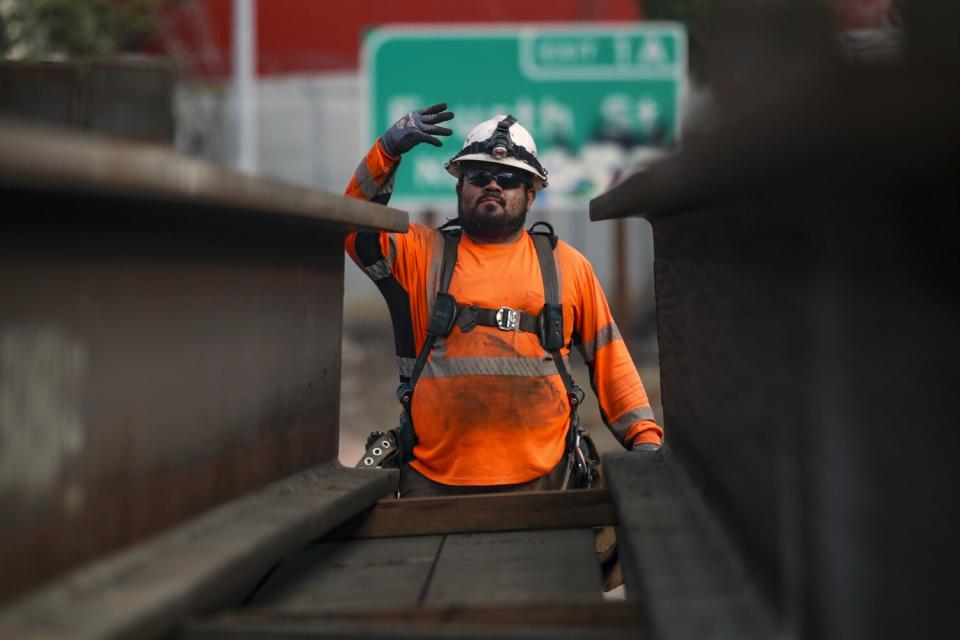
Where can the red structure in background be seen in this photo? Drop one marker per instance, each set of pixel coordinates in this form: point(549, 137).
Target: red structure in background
point(297, 36)
point(866, 14)
point(303, 36)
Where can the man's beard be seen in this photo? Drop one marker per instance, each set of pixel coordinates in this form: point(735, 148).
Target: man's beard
point(484, 225)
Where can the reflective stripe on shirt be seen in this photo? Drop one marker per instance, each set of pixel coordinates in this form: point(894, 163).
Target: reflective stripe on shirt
point(623, 423)
point(605, 335)
point(378, 270)
point(489, 366)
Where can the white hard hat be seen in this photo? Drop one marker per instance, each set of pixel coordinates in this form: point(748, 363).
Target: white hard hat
point(501, 140)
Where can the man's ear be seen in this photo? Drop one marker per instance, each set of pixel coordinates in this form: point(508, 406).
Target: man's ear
point(531, 196)
point(459, 185)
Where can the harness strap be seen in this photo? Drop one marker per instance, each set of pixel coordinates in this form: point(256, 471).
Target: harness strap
point(406, 435)
point(551, 293)
point(503, 318)
point(544, 244)
point(450, 243)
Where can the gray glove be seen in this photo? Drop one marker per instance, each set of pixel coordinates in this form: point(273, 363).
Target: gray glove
point(647, 447)
point(416, 127)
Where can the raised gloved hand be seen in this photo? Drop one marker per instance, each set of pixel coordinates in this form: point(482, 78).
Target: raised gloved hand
point(648, 447)
point(416, 127)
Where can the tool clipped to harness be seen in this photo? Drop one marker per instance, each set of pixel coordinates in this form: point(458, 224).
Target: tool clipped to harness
point(404, 392)
point(583, 470)
point(550, 329)
point(443, 317)
point(576, 395)
point(380, 450)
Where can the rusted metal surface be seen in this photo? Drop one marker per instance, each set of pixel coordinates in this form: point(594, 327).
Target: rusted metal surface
point(681, 567)
point(169, 338)
point(807, 309)
point(58, 161)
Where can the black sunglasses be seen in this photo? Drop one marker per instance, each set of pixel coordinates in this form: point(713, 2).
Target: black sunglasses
point(506, 179)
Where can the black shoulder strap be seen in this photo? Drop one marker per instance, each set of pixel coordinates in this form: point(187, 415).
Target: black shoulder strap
point(551, 294)
point(551, 319)
point(451, 241)
point(549, 233)
point(405, 433)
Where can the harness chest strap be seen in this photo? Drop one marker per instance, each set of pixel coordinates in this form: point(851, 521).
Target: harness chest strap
point(504, 318)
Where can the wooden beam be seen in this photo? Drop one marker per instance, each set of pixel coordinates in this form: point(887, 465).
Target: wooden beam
point(567, 620)
point(330, 578)
point(465, 569)
point(484, 512)
point(515, 567)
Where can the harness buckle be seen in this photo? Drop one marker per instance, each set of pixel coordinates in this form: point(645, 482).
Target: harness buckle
point(404, 391)
point(508, 319)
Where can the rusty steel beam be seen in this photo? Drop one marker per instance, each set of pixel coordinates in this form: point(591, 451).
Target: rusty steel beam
point(169, 339)
point(62, 162)
point(212, 560)
point(805, 265)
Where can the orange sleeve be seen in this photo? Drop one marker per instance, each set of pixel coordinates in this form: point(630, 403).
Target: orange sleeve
point(391, 259)
point(373, 178)
point(623, 401)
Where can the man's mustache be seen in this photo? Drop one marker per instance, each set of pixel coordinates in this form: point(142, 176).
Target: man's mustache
point(494, 195)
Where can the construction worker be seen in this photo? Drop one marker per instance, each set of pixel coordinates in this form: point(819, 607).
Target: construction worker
point(488, 401)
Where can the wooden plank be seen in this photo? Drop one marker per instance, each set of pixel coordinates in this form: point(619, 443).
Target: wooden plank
point(484, 512)
point(333, 577)
point(144, 591)
point(679, 564)
point(352, 630)
point(515, 567)
point(593, 620)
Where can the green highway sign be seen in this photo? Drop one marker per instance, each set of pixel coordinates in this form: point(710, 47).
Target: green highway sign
point(588, 94)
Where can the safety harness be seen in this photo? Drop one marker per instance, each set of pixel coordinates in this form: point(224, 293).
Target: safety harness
point(582, 459)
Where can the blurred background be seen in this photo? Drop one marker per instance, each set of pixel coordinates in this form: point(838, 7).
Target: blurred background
point(298, 90)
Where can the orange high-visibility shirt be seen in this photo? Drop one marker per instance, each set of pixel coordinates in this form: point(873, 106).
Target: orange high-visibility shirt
point(490, 407)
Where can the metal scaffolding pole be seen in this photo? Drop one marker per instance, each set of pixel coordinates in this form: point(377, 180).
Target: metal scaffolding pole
point(244, 83)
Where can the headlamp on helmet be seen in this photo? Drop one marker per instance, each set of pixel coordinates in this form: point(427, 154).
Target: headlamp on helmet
point(500, 145)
